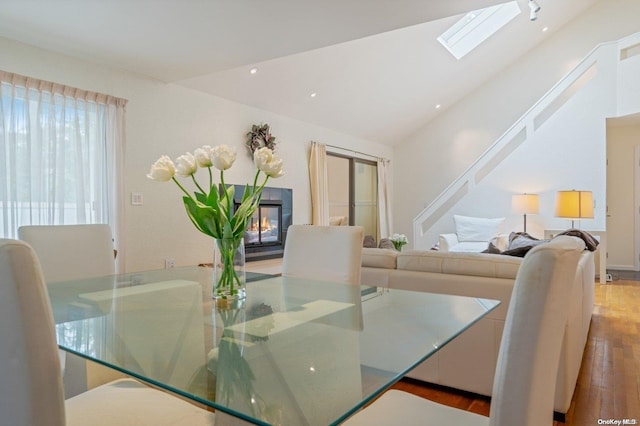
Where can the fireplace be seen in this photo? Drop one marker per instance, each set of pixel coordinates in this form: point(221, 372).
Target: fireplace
point(266, 232)
point(265, 227)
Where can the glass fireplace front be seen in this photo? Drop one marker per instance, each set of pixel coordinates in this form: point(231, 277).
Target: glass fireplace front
point(264, 227)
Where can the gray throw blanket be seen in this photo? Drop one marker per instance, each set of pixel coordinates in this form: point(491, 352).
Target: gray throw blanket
point(520, 242)
point(589, 240)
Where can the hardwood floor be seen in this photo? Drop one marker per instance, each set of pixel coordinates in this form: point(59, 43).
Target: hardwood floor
point(609, 382)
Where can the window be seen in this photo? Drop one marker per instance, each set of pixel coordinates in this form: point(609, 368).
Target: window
point(353, 191)
point(60, 155)
point(477, 26)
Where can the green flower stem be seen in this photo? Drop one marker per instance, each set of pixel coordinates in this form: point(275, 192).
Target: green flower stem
point(255, 180)
point(228, 277)
point(224, 188)
point(210, 177)
point(181, 187)
point(198, 185)
point(398, 245)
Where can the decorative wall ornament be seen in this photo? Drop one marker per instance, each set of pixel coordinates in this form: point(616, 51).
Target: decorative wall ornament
point(260, 136)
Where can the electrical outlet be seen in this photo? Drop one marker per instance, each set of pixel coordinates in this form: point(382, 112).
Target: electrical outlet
point(169, 263)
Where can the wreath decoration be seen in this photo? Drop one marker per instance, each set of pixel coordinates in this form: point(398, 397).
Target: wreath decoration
point(259, 137)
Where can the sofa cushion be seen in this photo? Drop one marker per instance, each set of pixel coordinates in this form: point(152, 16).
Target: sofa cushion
point(479, 264)
point(477, 228)
point(379, 258)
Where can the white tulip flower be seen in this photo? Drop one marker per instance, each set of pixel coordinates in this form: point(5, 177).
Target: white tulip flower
point(203, 156)
point(186, 165)
point(268, 163)
point(223, 157)
point(163, 170)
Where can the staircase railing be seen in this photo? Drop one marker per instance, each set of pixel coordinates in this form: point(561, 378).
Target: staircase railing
point(520, 131)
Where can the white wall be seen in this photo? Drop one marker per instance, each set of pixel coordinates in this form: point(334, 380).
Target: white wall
point(443, 149)
point(622, 141)
point(169, 119)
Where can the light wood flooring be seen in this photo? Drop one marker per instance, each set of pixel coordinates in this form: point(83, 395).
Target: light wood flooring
point(609, 383)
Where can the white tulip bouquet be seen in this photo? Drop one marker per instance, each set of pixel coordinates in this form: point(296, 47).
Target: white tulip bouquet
point(211, 209)
point(398, 241)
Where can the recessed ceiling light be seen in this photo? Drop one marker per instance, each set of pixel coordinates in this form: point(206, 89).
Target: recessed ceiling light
point(438, 106)
point(314, 94)
point(253, 70)
point(544, 30)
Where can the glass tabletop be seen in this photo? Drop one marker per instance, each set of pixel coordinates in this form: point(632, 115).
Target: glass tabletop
point(295, 351)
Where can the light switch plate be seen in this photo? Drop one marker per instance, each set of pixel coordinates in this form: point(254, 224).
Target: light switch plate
point(136, 198)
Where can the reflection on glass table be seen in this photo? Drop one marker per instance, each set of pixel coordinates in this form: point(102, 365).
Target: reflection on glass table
point(293, 352)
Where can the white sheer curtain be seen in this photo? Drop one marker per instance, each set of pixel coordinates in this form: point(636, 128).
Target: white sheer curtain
point(319, 184)
point(61, 156)
point(384, 199)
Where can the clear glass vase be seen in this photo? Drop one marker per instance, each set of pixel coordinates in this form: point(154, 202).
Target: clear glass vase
point(229, 277)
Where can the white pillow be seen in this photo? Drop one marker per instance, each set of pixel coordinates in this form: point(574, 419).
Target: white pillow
point(477, 228)
point(337, 220)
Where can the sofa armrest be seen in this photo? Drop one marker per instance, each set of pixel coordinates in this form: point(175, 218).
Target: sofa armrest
point(446, 241)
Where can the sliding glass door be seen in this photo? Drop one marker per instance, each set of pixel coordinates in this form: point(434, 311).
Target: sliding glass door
point(353, 192)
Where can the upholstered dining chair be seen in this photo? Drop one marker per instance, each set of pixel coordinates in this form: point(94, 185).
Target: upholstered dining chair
point(68, 252)
point(524, 383)
point(328, 253)
point(30, 380)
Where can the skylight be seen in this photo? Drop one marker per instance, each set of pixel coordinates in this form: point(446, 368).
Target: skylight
point(477, 26)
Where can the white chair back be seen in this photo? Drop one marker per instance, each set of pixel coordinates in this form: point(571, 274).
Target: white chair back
point(68, 252)
point(30, 380)
point(329, 253)
point(524, 384)
point(523, 389)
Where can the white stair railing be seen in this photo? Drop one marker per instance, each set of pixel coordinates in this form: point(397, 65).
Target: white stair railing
point(594, 63)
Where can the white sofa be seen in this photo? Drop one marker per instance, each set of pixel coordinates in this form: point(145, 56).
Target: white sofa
point(468, 362)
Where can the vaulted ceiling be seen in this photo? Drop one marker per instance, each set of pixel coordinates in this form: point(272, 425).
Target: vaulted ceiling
point(375, 66)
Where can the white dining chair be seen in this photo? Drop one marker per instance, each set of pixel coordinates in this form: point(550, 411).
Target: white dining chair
point(327, 253)
point(69, 252)
point(524, 383)
point(31, 384)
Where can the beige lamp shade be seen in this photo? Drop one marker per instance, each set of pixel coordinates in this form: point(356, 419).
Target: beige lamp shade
point(574, 204)
point(525, 203)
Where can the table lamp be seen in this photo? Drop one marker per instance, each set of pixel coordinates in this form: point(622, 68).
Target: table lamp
point(525, 204)
point(574, 205)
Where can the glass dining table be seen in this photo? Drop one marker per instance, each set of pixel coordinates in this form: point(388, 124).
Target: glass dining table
point(294, 352)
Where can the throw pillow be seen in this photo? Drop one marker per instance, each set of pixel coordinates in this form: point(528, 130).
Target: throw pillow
point(369, 241)
point(337, 220)
point(386, 243)
point(477, 228)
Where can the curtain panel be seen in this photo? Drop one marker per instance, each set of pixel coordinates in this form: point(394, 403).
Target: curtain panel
point(319, 184)
point(61, 156)
point(384, 199)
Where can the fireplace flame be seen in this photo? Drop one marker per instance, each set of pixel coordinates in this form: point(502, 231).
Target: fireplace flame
point(265, 225)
